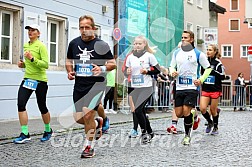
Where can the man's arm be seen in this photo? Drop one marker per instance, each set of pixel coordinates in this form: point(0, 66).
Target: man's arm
point(69, 68)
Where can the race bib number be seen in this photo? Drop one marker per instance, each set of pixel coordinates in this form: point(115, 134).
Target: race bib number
point(137, 80)
point(30, 84)
point(185, 80)
point(210, 80)
point(84, 70)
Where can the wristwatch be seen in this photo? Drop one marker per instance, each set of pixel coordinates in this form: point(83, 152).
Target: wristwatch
point(32, 59)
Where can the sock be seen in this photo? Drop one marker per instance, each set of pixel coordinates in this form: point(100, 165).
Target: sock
point(96, 123)
point(207, 117)
point(24, 129)
point(88, 143)
point(174, 123)
point(188, 124)
point(47, 127)
point(215, 120)
point(104, 121)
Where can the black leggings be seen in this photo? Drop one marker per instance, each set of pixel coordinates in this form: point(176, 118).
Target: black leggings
point(24, 95)
point(140, 97)
point(109, 96)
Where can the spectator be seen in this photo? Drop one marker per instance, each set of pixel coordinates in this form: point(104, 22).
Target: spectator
point(239, 89)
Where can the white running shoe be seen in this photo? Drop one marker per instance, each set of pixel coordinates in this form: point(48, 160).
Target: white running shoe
point(107, 111)
point(112, 111)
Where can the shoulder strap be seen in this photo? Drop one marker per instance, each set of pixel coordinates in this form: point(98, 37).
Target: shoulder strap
point(197, 52)
point(176, 51)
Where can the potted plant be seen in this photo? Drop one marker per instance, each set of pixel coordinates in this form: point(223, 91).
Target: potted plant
point(200, 41)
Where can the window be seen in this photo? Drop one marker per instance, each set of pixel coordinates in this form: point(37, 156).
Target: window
point(234, 25)
point(244, 51)
point(199, 35)
point(189, 26)
point(227, 51)
point(234, 5)
point(250, 24)
point(53, 33)
point(57, 39)
point(199, 3)
point(190, 1)
point(6, 19)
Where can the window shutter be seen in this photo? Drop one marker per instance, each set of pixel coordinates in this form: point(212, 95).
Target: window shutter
point(73, 30)
point(43, 26)
point(29, 18)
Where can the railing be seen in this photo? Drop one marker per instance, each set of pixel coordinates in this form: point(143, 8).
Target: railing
point(233, 97)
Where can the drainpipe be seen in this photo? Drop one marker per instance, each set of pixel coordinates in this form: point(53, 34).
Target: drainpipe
point(116, 52)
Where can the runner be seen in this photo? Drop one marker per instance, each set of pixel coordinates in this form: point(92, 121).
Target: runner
point(186, 61)
point(35, 79)
point(91, 58)
point(138, 66)
point(212, 90)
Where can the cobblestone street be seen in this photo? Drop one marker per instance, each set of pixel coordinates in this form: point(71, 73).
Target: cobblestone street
point(232, 147)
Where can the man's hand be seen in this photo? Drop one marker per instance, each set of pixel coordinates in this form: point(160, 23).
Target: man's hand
point(71, 75)
point(197, 82)
point(143, 71)
point(96, 70)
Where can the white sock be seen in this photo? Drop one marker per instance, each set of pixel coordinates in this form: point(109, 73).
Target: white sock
point(96, 123)
point(88, 143)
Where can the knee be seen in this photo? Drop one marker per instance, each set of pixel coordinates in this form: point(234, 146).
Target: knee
point(88, 114)
point(21, 108)
point(43, 109)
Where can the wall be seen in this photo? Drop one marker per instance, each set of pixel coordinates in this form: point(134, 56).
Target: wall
point(237, 63)
point(60, 88)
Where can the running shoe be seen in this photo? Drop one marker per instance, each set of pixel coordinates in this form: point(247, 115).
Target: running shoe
point(151, 135)
point(46, 136)
point(209, 127)
point(145, 138)
point(196, 123)
point(112, 111)
point(186, 140)
point(172, 129)
point(105, 126)
point(133, 133)
point(98, 128)
point(22, 138)
point(214, 131)
point(88, 152)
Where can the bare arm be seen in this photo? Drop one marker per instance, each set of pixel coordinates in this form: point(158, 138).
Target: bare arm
point(69, 68)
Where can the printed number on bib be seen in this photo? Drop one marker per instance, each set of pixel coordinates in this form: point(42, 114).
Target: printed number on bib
point(210, 80)
point(30, 84)
point(84, 70)
point(185, 80)
point(137, 80)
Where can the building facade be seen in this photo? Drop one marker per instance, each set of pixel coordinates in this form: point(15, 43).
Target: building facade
point(59, 25)
point(235, 37)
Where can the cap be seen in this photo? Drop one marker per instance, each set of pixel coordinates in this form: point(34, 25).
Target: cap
point(33, 26)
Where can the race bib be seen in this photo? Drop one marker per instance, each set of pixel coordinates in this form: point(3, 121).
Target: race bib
point(30, 84)
point(137, 80)
point(210, 80)
point(185, 80)
point(84, 70)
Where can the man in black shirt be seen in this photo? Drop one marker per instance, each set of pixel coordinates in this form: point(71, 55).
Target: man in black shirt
point(88, 58)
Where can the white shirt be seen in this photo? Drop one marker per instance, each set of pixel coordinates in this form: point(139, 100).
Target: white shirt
point(136, 64)
point(187, 68)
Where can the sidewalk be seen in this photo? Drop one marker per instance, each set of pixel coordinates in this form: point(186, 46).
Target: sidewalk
point(11, 129)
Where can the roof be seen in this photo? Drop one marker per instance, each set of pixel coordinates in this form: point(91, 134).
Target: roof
point(216, 8)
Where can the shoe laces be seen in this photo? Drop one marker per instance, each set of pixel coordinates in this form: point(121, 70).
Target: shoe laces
point(87, 149)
